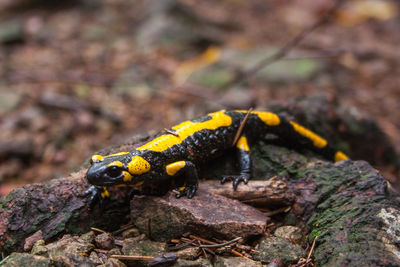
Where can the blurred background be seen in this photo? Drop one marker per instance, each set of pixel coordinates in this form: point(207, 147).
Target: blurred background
point(77, 76)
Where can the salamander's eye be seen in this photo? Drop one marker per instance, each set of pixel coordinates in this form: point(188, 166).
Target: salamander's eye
point(113, 171)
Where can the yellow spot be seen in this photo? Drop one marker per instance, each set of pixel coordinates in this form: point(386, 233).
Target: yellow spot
point(117, 154)
point(317, 140)
point(186, 129)
point(269, 118)
point(116, 163)
point(173, 168)
point(182, 188)
point(97, 158)
point(339, 155)
point(127, 177)
point(105, 192)
point(242, 144)
point(138, 165)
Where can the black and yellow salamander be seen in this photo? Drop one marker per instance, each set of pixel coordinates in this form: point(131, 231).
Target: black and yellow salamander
point(177, 151)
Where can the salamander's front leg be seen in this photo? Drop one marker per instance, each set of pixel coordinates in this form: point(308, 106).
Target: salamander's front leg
point(97, 194)
point(189, 171)
point(243, 153)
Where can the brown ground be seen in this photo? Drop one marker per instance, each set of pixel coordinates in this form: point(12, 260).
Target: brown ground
point(79, 77)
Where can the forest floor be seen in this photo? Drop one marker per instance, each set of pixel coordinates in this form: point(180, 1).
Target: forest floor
point(78, 77)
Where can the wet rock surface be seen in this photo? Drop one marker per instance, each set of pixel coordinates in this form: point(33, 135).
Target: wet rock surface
point(26, 259)
point(354, 210)
point(293, 234)
point(208, 215)
point(271, 248)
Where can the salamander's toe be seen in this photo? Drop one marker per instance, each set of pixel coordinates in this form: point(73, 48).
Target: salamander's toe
point(236, 179)
point(188, 191)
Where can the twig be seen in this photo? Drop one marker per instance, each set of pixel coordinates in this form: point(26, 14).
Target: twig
point(123, 228)
point(171, 132)
point(311, 250)
point(202, 249)
point(239, 254)
point(222, 244)
point(240, 77)
point(202, 240)
point(97, 230)
point(240, 130)
point(274, 212)
point(182, 246)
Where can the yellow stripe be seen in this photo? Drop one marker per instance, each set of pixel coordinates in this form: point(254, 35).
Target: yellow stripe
point(186, 129)
point(116, 163)
point(339, 155)
point(97, 158)
point(242, 144)
point(269, 118)
point(317, 140)
point(173, 168)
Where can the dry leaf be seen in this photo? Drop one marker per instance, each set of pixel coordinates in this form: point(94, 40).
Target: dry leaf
point(186, 68)
point(359, 11)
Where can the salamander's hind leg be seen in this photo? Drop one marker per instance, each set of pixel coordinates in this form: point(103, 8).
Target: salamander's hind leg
point(243, 152)
point(189, 171)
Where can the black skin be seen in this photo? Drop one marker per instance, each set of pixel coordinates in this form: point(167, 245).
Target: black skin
point(202, 146)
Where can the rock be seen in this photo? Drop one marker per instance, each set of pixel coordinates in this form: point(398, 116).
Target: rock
point(235, 261)
point(64, 261)
point(292, 233)
point(104, 241)
point(165, 259)
point(11, 32)
point(39, 248)
point(115, 251)
point(271, 248)
point(30, 241)
point(8, 99)
point(275, 263)
point(88, 237)
point(189, 253)
point(54, 207)
point(70, 249)
point(356, 222)
point(207, 215)
point(132, 246)
point(112, 263)
point(94, 258)
point(132, 232)
point(25, 259)
point(202, 262)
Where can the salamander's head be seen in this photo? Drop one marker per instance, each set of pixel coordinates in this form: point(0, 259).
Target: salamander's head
point(116, 169)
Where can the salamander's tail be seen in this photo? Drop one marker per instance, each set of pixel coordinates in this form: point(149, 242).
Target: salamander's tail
point(315, 142)
point(294, 133)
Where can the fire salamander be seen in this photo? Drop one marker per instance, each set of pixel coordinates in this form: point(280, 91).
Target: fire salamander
point(177, 151)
